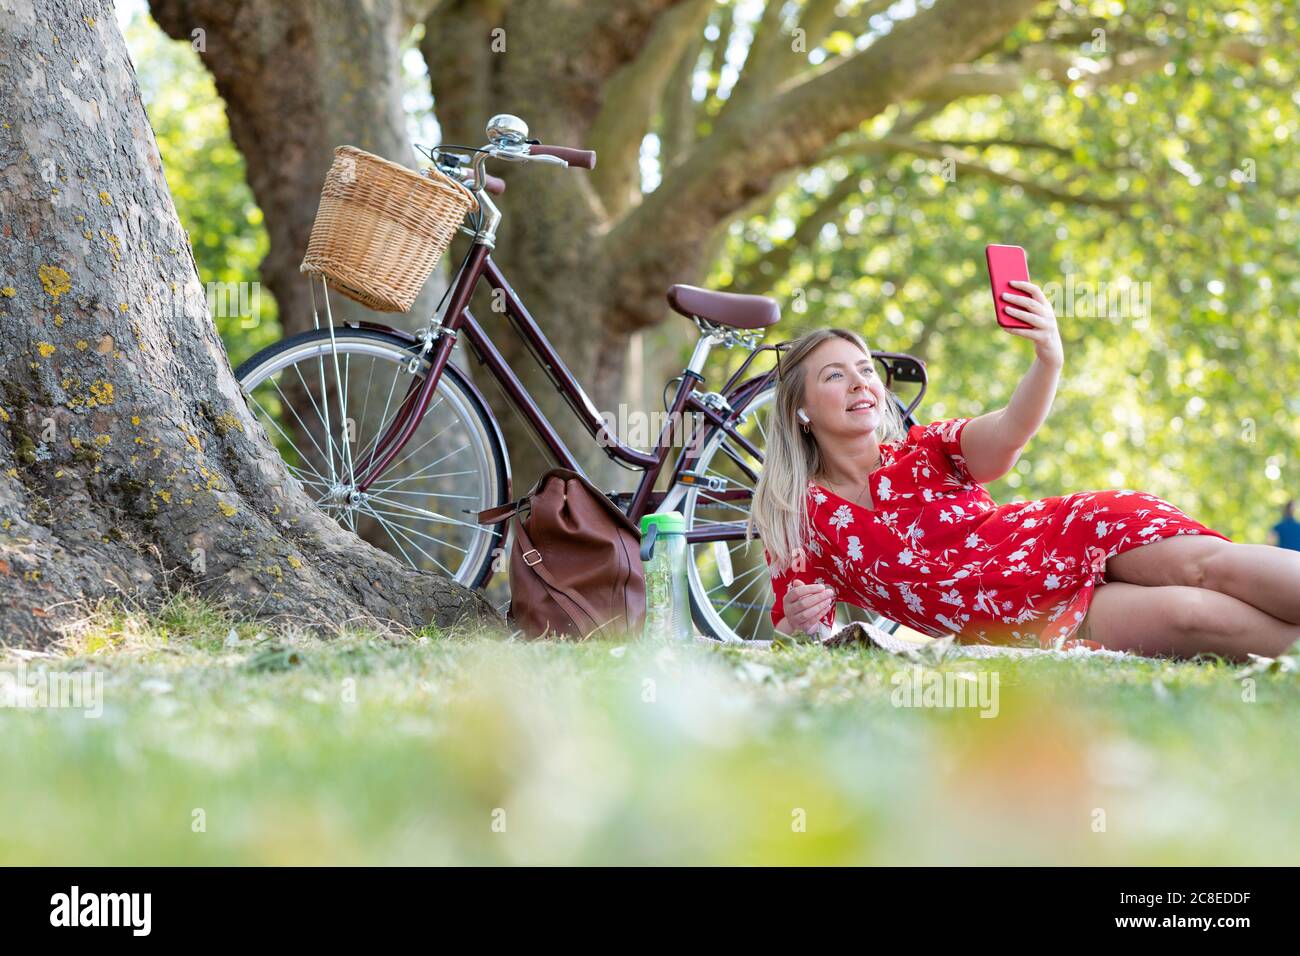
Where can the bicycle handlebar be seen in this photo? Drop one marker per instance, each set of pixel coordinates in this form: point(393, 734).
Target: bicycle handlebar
point(559, 155)
point(581, 158)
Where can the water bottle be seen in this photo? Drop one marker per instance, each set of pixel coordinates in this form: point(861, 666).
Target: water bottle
point(663, 552)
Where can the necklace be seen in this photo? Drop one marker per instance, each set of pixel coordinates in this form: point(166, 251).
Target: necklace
point(858, 499)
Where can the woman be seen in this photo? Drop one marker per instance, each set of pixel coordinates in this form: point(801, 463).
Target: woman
point(852, 508)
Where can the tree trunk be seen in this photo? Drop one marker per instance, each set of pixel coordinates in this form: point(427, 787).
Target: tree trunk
point(548, 64)
point(299, 79)
point(129, 460)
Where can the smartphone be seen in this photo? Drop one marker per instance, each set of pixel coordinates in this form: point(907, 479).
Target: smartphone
point(1007, 264)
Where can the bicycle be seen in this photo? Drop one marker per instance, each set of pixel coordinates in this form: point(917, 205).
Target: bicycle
point(414, 510)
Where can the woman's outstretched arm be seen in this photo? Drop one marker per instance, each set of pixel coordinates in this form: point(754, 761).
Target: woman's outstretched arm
point(992, 443)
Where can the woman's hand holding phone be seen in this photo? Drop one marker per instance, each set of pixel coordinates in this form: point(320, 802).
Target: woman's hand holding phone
point(1021, 307)
point(1031, 305)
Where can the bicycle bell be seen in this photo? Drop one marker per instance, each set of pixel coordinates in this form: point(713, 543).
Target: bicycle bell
point(507, 130)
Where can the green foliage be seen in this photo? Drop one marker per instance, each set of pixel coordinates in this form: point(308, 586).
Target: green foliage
point(1195, 402)
point(205, 173)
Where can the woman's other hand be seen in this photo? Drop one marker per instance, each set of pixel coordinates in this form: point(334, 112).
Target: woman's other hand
point(806, 604)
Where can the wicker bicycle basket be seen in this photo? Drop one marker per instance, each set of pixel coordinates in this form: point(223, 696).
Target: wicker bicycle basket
point(381, 228)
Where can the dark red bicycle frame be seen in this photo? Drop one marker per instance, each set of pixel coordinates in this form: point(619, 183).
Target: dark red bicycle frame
point(458, 319)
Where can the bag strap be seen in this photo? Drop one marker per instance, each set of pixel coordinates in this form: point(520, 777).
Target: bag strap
point(574, 604)
point(502, 512)
point(510, 509)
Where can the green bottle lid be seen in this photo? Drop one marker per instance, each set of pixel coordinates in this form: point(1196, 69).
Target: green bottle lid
point(668, 522)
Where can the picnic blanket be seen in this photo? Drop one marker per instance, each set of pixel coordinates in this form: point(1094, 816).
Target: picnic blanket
point(915, 645)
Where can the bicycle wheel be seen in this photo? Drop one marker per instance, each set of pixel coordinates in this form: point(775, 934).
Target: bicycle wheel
point(730, 588)
point(325, 400)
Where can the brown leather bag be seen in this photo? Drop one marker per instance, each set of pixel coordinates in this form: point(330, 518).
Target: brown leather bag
point(575, 565)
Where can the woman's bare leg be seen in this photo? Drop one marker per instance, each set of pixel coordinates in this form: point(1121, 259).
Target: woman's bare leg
point(1267, 577)
point(1264, 576)
point(1181, 622)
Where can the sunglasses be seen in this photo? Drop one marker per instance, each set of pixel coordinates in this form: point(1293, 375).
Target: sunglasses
point(780, 354)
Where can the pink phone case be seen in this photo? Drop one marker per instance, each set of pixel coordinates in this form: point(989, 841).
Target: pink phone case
point(1007, 264)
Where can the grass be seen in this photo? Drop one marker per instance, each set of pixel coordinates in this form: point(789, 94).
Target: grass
point(216, 747)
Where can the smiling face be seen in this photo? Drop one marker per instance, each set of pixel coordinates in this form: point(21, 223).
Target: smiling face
point(843, 395)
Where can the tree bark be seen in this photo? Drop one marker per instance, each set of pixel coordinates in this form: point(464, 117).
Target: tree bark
point(299, 79)
point(129, 460)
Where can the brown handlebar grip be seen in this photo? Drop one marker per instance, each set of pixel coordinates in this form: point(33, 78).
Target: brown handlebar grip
point(582, 158)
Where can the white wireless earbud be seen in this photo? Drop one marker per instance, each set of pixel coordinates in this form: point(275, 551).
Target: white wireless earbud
point(803, 417)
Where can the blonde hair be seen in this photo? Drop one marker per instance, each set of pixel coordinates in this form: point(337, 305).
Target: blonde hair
point(791, 459)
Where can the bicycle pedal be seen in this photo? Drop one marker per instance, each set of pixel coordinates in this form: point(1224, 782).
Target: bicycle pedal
point(708, 482)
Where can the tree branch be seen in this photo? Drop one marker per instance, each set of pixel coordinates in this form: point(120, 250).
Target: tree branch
point(775, 57)
point(1011, 142)
point(967, 163)
point(615, 33)
point(817, 21)
point(750, 147)
point(985, 79)
point(1043, 61)
point(632, 97)
point(717, 60)
point(760, 274)
point(769, 41)
point(677, 126)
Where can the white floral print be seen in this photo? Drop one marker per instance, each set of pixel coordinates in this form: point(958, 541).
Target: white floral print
point(843, 517)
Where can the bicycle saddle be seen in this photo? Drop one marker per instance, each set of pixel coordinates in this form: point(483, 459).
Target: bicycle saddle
point(725, 308)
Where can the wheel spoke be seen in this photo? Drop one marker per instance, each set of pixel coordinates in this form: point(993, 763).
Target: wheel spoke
point(383, 419)
point(722, 610)
point(329, 459)
point(394, 516)
point(389, 531)
point(365, 406)
point(729, 609)
point(382, 485)
point(297, 450)
point(323, 418)
point(393, 527)
point(397, 464)
point(432, 494)
point(754, 570)
point(410, 397)
point(422, 513)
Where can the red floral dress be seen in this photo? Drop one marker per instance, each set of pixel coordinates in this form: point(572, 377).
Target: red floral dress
point(940, 556)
